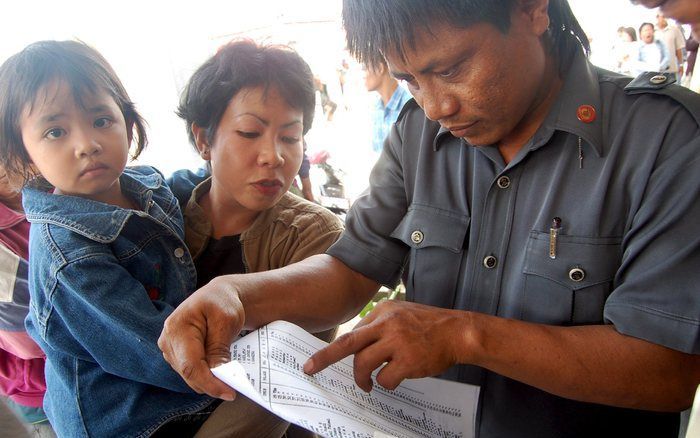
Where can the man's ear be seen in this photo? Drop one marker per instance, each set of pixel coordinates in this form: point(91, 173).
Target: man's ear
point(537, 12)
point(201, 141)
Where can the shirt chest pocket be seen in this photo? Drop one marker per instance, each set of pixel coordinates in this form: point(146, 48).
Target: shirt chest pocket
point(571, 288)
point(436, 239)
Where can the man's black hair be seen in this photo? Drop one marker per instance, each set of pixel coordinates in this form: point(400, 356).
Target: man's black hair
point(374, 27)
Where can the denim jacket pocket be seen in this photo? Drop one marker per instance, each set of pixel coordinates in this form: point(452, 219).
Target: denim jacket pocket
point(571, 288)
point(437, 239)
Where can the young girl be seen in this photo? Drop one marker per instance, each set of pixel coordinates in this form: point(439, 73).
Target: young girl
point(107, 258)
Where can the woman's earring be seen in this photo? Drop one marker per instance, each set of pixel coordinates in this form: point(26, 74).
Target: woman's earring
point(205, 153)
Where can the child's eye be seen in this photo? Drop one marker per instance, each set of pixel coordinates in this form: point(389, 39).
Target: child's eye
point(54, 133)
point(103, 122)
point(248, 134)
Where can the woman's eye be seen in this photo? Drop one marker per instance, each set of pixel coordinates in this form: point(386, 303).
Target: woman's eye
point(291, 140)
point(103, 122)
point(248, 134)
point(54, 133)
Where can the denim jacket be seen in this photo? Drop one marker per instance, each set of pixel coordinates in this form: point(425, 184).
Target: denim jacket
point(102, 280)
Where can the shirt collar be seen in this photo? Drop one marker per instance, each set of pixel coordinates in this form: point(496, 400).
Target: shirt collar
point(96, 220)
point(580, 88)
point(397, 99)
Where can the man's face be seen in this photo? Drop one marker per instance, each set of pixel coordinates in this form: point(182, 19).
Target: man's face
point(478, 82)
point(646, 34)
point(373, 77)
point(661, 21)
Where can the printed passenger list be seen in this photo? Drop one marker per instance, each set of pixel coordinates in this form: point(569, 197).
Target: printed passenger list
point(266, 367)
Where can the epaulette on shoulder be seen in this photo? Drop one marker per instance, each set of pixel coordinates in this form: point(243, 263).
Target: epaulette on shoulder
point(410, 104)
point(664, 84)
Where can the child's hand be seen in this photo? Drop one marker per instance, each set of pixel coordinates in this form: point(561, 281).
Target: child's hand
point(197, 336)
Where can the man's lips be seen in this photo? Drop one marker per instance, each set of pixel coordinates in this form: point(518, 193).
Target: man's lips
point(460, 130)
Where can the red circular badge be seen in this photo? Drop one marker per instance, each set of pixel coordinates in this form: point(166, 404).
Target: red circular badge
point(586, 113)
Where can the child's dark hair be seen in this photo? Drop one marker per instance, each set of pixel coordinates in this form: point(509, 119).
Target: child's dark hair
point(238, 65)
point(26, 73)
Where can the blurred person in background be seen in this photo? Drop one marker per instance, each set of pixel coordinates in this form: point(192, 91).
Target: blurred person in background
point(21, 360)
point(652, 55)
point(625, 48)
point(673, 39)
point(390, 98)
point(683, 11)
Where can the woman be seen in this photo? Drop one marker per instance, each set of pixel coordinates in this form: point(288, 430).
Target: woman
point(247, 110)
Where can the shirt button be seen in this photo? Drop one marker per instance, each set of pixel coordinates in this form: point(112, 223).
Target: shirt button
point(179, 252)
point(503, 182)
point(490, 262)
point(577, 274)
point(417, 237)
point(658, 79)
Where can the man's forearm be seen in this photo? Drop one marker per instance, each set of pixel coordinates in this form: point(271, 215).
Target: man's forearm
point(587, 363)
point(316, 293)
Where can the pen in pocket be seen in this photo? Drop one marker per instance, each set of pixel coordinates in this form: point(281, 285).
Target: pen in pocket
point(553, 233)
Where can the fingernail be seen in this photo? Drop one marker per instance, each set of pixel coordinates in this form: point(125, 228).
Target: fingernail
point(308, 366)
point(227, 396)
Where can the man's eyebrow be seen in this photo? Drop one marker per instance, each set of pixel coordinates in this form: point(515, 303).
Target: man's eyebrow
point(432, 65)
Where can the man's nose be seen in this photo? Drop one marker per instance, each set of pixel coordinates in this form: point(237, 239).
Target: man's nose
point(438, 104)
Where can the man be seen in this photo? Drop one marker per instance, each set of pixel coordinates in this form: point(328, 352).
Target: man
point(652, 54)
point(683, 11)
point(391, 99)
point(550, 215)
point(674, 41)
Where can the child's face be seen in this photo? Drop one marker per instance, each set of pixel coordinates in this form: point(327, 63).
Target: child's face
point(80, 151)
point(257, 149)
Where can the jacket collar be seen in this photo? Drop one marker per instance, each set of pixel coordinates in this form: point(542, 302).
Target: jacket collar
point(580, 87)
point(95, 220)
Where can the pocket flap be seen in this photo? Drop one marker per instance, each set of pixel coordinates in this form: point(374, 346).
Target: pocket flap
point(424, 226)
point(596, 258)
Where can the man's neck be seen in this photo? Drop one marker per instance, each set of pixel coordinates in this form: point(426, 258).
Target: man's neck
point(510, 145)
point(386, 90)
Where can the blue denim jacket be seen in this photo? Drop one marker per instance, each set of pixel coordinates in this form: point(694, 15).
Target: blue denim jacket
point(102, 280)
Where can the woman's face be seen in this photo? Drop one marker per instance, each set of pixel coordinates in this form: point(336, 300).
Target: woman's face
point(256, 151)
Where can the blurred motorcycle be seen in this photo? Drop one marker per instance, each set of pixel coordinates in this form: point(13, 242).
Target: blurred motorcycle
point(328, 185)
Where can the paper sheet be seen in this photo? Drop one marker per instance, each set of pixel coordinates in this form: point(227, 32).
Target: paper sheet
point(267, 364)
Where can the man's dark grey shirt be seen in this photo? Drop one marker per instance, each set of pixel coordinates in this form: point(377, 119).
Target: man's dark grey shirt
point(476, 234)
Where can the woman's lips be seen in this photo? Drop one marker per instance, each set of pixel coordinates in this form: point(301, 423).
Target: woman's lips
point(268, 187)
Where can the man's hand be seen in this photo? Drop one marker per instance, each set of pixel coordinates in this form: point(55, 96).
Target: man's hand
point(410, 340)
point(198, 334)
